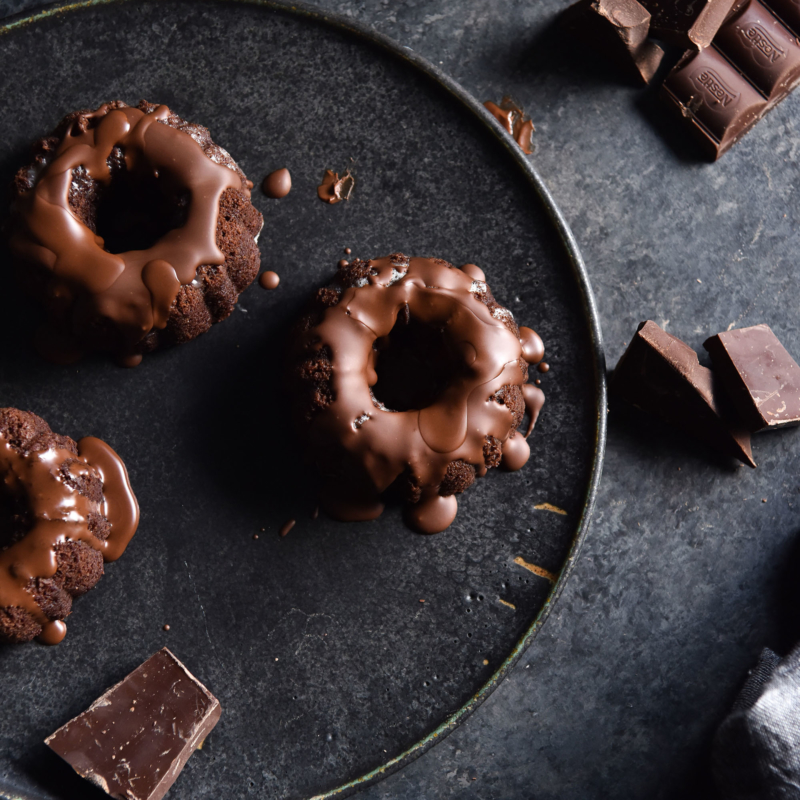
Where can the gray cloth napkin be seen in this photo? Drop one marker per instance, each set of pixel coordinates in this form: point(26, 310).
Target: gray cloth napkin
point(756, 752)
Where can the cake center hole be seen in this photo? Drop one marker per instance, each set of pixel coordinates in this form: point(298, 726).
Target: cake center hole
point(415, 363)
point(134, 211)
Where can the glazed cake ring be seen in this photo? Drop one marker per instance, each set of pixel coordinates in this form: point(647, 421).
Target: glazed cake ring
point(363, 448)
point(200, 252)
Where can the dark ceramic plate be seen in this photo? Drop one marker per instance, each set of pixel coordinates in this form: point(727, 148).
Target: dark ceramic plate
point(328, 664)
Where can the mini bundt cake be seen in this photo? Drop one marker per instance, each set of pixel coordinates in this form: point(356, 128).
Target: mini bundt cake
point(408, 378)
point(133, 229)
point(65, 508)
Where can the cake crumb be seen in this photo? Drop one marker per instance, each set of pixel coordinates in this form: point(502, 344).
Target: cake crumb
point(550, 507)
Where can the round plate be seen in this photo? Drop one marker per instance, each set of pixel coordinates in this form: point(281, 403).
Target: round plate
point(340, 651)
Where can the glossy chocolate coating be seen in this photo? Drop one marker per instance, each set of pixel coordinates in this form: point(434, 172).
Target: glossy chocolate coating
point(688, 23)
point(661, 375)
point(514, 120)
point(761, 377)
point(134, 741)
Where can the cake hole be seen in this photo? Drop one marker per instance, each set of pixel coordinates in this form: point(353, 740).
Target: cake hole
point(132, 212)
point(415, 363)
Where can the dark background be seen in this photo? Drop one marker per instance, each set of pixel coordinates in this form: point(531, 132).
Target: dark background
point(691, 561)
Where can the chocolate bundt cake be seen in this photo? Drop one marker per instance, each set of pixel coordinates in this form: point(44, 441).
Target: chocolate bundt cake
point(409, 378)
point(133, 229)
point(65, 508)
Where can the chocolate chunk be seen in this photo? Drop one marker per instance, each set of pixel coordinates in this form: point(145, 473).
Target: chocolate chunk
point(514, 120)
point(762, 379)
point(753, 64)
point(717, 102)
point(134, 740)
point(688, 23)
point(660, 374)
point(617, 29)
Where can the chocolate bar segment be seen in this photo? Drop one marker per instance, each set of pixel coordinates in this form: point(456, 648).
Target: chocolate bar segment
point(759, 45)
point(660, 374)
point(717, 102)
point(762, 379)
point(618, 30)
point(134, 741)
point(688, 23)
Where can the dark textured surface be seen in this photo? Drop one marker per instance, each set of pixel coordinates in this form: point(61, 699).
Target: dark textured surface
point(685, 571)
point(324, 658)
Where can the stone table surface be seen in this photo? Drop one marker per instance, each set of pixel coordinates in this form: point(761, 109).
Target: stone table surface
point(692, 563)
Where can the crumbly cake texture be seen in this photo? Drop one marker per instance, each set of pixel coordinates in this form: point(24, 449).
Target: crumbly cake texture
point(65, 508)
point(203, 253)
point(435, 446)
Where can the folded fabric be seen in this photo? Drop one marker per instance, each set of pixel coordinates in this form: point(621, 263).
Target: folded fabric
point(756, 751)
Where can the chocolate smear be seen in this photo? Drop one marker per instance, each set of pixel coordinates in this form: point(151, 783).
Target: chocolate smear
point(514, 120)
point(334, 189)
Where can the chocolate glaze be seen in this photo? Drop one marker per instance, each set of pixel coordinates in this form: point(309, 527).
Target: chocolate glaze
point(343, 262)
point(334, 189)
point(269, 280)
point(277, 184)
point(514, 120)
point(45, 484)
point(361, 446)
point(132, 291)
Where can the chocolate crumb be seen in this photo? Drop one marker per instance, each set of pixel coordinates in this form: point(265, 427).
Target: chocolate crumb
point(334, 189)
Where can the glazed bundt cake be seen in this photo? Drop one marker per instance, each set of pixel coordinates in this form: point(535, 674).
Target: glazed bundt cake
point(133, 229)
point(408, 377)
point(65, 508)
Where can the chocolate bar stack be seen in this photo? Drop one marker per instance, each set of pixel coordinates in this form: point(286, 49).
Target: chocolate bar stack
point(742, 57)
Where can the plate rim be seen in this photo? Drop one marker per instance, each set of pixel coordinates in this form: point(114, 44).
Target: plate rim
point(422, 65)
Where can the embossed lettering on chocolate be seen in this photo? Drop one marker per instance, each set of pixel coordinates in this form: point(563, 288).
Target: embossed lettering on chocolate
point(410, 380)
point(133, 229)
point(65, 508)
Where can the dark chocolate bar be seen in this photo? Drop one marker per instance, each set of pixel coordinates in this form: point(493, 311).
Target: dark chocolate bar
point(762, 379)
point(721, 92)
point(789, 12)
point(660, 374)
point(134, 741)
point(617, 29)
point(687, 23)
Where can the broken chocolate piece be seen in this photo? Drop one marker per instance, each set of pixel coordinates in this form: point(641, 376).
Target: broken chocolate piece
point(134, 740)
point(514, 120)
point(687, 23)
point(753, 64)
point(617, 29)
point(660, 374)
point(762, 379)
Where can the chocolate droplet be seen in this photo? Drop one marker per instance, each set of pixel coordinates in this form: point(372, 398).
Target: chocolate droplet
point(277, 184)
point(543, 367)
point(532, 345)
point(269, 280)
